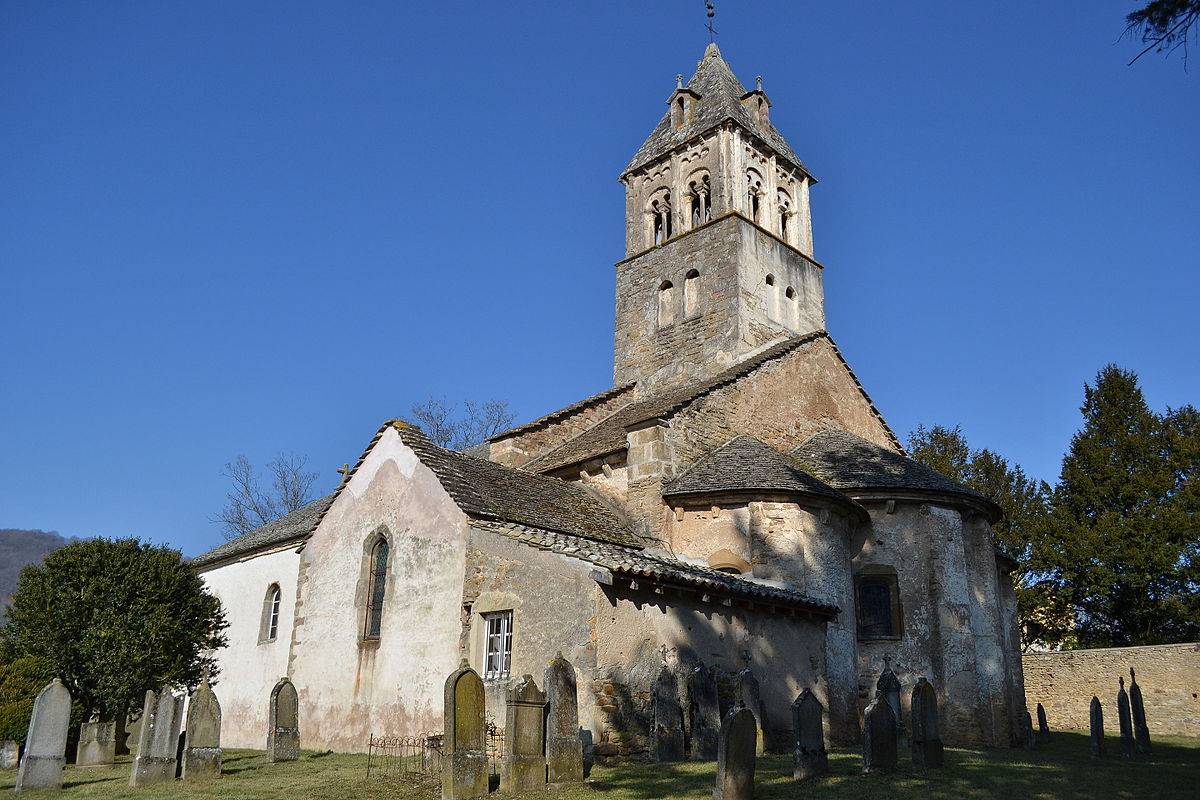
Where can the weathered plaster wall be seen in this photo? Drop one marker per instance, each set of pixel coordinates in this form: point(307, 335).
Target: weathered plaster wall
point(249, 668)
point(349, 687)
point(1168, 674)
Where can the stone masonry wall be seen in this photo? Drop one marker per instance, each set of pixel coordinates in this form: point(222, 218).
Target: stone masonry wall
point(1168, 674)
point(523, 447)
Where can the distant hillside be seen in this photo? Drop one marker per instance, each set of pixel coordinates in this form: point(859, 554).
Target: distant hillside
point(19, 548)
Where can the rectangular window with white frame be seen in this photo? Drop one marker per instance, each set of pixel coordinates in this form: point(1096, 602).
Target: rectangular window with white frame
point(498, 650)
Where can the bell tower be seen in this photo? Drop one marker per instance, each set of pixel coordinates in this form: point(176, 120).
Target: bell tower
point(718, 237)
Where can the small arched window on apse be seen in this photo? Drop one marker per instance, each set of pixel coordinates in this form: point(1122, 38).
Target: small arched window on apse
point(699, 200)
point(659, 217)
point(269, 627)
point(376, 587)
point(691, 294)
point(784, 207)
point(754, 194)
point(666, 303)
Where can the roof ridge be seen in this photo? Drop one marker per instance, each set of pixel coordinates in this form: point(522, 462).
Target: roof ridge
point(546, 419)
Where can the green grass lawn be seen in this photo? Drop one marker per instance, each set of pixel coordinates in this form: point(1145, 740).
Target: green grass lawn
point(1061, 769)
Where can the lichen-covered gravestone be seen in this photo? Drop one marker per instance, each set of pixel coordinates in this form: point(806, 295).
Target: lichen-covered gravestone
point(667, 735)
point(46, 742)
point(283, 723)
point(564, 747)
point(1124, 720)
point(735, 756)
point(749, 695)
point(810, 760)
point(1043, 734)
point(158, 739)
point(464, 762)
point(1028, 740)
point(927, 751)
point(1141, 733)
point(524, 767)
point(202, 757)
point(889, 685)
point(97, 744)
point(1096, 722)
point(9, 753)
point(706, 714)
point(879, 737)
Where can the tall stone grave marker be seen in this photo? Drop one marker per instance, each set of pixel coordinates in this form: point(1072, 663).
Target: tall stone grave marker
point(202, 757)
point(889, 684)
point(283, 723)
point(9, 754)
point(1141, 733)
point(927, 751)
point(97, 744)
point(810, 760)
point(749, 695)
point(667, 736)
point(736, 740)
point(1096, 722)
point(1123, 719)
point(46, 742)
point(706, 714)
point(879, 737)
point(524, 765)
point(1043, 734)
point(564, 747)
point(158, 739)
point(1029, 741)
point(464, 763)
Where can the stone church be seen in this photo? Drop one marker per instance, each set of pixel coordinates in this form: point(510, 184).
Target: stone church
point(734, 500)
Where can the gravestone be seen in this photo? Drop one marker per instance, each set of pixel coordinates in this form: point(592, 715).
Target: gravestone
point(9, 754)
point(736, 740)
point(1125, 722)
point(524, 765)
point(879, 737)
point(97, 744)
point(1043, 734)
point(1141, 733)
point(1096, 722)
point(809, 760)
point(705, 716)
point(927, 751)
point(667, 736)
point(158, 739)
point(202, 756)
point(283, 723)
point(749, 695)
point(589, 751)
point(464, 760)
point(1028, 740)
point(564, 747)
point(46, 742)
point(889, 684)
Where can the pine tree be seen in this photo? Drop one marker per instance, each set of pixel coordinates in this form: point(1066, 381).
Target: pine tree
point(1124, 531)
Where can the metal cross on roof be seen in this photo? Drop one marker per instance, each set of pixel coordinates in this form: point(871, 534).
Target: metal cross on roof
point(711, 12)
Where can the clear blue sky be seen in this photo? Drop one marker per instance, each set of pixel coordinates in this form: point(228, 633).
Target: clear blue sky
point(233, 227)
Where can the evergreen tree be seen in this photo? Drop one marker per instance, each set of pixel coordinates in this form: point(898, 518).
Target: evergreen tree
point(1124, 533)
point(113, 619)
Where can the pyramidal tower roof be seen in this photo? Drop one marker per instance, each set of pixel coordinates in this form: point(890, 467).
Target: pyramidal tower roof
point(720, 99)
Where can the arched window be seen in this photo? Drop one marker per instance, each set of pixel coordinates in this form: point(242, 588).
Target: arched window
point(784, 207)
point(376, 585)
point(691, 293)
point(659, 214)
point(791, 309)
point(269, 627)
point(666, 303)
point(772, 298)
point(699, 200)
point(754, 192)
point(878, 603)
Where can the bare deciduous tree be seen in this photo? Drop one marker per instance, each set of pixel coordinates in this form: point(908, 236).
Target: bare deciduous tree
point(249, 506)
point(447, 428)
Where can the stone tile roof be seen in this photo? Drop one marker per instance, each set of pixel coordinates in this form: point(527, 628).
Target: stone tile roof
point(747, 464)
point(720, 100)
point(660, 566)
point(555, 416)
point(295, 527)
point(847, 462)
point(608, 435)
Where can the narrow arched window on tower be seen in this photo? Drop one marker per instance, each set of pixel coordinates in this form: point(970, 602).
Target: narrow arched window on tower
point(772, 298)
point(754, 193)
point(699, 201)
point(691, 294)
point(666, 303)
point(784, 204)
point(376, 586)
point(791, 313)
point(660, 218)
